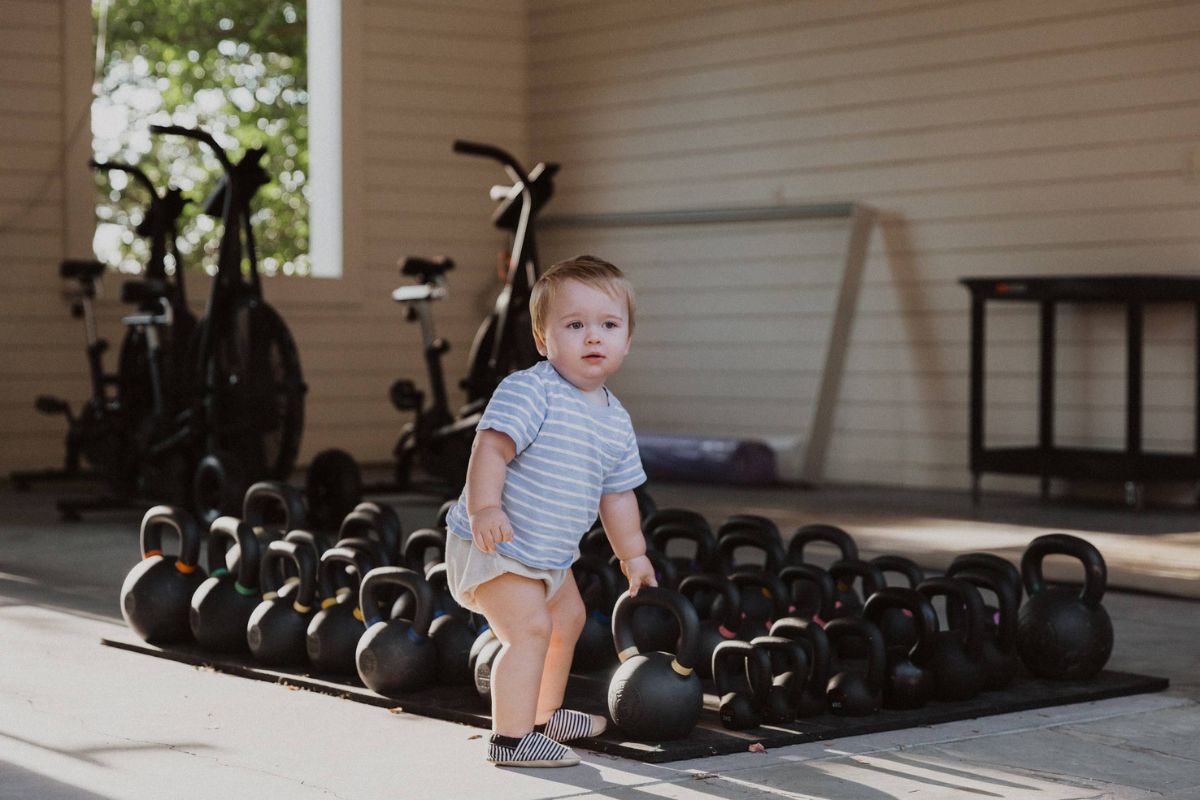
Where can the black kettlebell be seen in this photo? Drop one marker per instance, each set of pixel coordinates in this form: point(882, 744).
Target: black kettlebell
point(998, 648)
point(1002, 568)
point(371, 549)
point(222, 605)
point(598, 587)
point(396, 656)
point(770, 601)
point(489, 647)
point(855, 694)
point(713, 630)
point(905, 683)
point(157, 593)
point(806, 535)
point(333, 633)
point(278, 625)
point(1064, 632)
point(452, 635)
point(737, 539)
point(789, 672)
point(848, 601)
point(655, 696)
point(378, 523)
point(810, 592)
point(443, 512)
point(956, 657)
point(702, 546)
point(742, 673)
point(896, 623)
point(811, 699)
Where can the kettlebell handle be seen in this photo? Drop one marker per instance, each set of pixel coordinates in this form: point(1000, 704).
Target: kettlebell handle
point(831, 534)
point(768, 582)
point(332, 560)
point(266, 495)
point(924, 618)
point(1095, 572)
point(405, 578)
point(306, 567)
point(366, 524)
point(419, 543)
point(846, 627)
point(688, 647)
point(846, 570)
point(671, 531)
point(755, 665)
point(747, 536)
point(232, 531)
point(811, 573)
point(171, 519)
point(598, 568)
point(960, 591)
point(716, 582)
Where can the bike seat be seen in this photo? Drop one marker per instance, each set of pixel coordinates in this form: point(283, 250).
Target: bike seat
point(426, 269)
point(80, 269)
point(137, 292)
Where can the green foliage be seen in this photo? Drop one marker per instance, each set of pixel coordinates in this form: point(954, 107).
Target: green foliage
point(237, 68)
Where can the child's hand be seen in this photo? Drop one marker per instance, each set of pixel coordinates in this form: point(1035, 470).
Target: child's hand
point(640, 572)
point(489, 527)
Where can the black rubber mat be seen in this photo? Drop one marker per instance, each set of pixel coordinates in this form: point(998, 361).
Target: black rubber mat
point(588, 693)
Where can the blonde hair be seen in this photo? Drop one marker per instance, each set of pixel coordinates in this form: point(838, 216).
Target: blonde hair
point(588, 270)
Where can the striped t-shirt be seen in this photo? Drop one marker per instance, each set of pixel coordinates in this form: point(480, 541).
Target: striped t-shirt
point(569, 452)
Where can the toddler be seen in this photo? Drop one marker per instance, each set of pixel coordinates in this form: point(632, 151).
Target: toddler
point(553, 448)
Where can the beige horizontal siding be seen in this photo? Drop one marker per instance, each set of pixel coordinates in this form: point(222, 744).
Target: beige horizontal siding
point(994, 138)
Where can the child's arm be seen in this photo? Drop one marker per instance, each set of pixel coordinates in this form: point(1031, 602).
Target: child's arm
point(490, 453)
point(622, 525)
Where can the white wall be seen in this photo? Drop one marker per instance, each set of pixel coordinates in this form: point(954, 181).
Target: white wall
point(994, 137)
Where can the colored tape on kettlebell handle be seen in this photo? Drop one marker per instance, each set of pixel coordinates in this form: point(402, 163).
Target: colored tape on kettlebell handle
point(186, 569)
point(680, 668)
point(300, 608)
point(268, 596)
point(358, 615)
point(151, 553)
point(247, 591)
point(329, 601)
point(626, 654)
point(219, 572)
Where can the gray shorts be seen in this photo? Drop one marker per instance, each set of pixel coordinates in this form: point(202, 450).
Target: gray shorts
point(468, 567)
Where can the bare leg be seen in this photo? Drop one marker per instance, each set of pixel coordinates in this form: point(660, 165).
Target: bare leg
point(515, 607)
point(567, 615)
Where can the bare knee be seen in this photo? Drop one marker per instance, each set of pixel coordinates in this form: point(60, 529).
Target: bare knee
point(569, 619)
point(535, 628)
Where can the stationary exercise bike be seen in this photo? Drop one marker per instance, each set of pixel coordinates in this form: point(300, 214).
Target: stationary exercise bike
point(438, 441)
point(115, 421)
point(247, 393)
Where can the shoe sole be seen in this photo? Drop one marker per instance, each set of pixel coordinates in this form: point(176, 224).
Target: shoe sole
point(553, 762)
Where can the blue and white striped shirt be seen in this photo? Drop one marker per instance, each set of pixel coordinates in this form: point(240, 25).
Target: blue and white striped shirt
point(569, 453)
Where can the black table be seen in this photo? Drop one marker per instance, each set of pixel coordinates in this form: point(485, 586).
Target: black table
point(1133, 465)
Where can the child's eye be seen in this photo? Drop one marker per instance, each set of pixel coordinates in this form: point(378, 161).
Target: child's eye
point(611, 324)
point(576, 325)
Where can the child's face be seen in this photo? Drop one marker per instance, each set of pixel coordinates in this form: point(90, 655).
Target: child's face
point(586, 334)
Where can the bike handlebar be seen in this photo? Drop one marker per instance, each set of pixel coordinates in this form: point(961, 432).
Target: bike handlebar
point(198, 135)
point(117, 166)
point(492, 152)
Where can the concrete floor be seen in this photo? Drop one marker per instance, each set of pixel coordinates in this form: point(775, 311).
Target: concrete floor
point(78, 720)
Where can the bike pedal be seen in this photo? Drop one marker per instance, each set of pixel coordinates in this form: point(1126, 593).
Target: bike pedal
point(406, 396)
point(47, 404)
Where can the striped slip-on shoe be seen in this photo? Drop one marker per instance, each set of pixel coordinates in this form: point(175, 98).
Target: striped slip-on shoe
point(565, 725)
point(534, 750)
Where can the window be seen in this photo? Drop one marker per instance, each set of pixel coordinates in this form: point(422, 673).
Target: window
point(237, 68)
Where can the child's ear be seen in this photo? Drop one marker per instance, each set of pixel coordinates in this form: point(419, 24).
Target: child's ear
point(540, 344)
